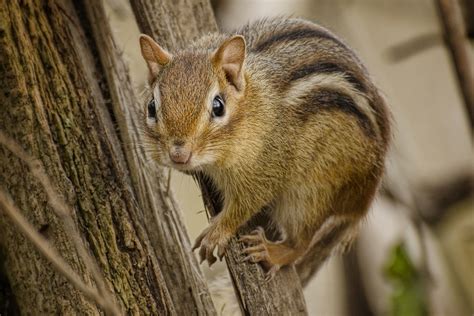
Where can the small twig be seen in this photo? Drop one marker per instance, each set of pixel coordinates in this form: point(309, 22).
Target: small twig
point(456, 39)
point(413, 46)
point(168, 183)
point(64, 212)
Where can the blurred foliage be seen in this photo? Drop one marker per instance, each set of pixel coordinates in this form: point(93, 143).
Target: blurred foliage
point(408, 297)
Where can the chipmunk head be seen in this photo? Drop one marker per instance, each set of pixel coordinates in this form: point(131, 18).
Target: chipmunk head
point(193, 108)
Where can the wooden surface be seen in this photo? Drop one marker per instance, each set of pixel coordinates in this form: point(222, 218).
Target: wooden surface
point(56, 103)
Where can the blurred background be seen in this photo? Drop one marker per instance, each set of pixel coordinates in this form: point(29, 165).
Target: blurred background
point(415, 254)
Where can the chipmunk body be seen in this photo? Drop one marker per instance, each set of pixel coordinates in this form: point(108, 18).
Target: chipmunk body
point(280, 113)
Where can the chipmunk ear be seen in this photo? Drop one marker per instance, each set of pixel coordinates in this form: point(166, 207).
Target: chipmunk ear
point(155, 56)
point(230, 57)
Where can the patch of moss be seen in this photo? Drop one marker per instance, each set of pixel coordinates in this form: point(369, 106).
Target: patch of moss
point(408, 296)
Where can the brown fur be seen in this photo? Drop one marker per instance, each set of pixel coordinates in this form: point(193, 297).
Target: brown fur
point(305, 131)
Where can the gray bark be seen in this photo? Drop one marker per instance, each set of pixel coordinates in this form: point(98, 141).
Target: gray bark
point(57, 105)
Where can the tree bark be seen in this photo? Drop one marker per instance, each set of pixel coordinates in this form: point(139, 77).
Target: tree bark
point(56, 104)
point(173, 24)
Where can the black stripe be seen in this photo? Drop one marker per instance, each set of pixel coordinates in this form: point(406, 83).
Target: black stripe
point(294, 35)
point(326, 99)
point(327, 68)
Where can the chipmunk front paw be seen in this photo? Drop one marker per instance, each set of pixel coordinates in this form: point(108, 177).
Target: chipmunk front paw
point(214, 236)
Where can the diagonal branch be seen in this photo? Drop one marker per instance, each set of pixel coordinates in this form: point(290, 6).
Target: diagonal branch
point(461, 52)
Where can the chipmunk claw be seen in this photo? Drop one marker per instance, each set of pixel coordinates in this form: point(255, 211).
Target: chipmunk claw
point(255, 249)
point(256, 253)
point(221, 252)
point(272, 272)
point(210, 239)
point(200, 238)
point(259, 249)
point(255, 236)
point(206, 253)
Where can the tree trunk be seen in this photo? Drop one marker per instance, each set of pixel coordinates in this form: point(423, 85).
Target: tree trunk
point(162, 217)
point(56, 104)
point(173, 24)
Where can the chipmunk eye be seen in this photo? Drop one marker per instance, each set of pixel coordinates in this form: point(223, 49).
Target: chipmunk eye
point(152, 109)
point(218, 108)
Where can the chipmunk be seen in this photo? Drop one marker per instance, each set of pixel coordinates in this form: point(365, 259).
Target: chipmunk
point(279, 113)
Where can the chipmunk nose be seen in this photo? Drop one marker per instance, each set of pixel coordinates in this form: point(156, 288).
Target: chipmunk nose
point(179, 153)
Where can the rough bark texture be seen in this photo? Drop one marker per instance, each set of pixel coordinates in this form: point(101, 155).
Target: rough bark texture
point(173, 24)
point(54, 103)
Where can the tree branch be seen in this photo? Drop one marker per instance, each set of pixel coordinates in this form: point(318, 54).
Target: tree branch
point(461, 53)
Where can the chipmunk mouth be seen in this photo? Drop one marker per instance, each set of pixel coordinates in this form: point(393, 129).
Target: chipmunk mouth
point(191, 164)
point(183, 159)
point(180, 154)
point(183, 165)
point(194, 163)
point(186, 164)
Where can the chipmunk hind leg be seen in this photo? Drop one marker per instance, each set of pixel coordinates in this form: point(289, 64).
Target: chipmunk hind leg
point(334, 235)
